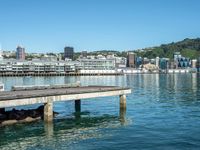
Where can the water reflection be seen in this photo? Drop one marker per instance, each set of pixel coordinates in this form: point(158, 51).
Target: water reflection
point(49, 129)
point(61, 130)
point(122, 116)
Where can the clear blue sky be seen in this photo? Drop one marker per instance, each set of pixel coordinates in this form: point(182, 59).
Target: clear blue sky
point(49, 25)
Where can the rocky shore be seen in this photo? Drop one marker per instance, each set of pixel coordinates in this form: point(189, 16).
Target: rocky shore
point(21, 116)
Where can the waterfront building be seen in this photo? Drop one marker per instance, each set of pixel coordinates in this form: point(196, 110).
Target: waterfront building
point(157, 62)
point(180, 61)
point(139, 62)
point(177, 55)
point(146, 61)
point(153, 61)
point(171, 64)
point(97, 64)
point(164, 63)
point(131, 60)
point(37, 66)
point(120, 62)
point(194, 63)
point(183, 62)
point(68, 53)
point(20, 53)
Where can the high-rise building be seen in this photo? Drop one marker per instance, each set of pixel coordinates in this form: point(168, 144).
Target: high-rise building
point(131, 60)
point(20, 53)
point(68, 53)
point(139, 62)
point(1, 57)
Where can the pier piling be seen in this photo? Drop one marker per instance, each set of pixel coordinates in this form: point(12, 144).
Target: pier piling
point(122, 101)
point(78, 105)
point(47, 95)
point(48, 110)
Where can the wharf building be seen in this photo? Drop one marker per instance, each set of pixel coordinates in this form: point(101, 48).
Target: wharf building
point(194, 63)
point(139, 62)
point(164, 63)
point(96, 65)
point(46, 66)
point(68, 53)
point(120, 62)
point(36, 66)
point(131, 60)
point(180, 61)
point(20, 53)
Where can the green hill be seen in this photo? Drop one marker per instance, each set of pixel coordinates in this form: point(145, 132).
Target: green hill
point(188, 48)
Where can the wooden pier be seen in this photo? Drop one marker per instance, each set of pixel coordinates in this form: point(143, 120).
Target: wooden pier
point(48, 95)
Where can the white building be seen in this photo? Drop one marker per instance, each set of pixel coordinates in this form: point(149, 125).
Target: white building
point(157, 61)
point(97, 64)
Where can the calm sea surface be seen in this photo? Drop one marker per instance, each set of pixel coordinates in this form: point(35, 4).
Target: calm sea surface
point(163, 112)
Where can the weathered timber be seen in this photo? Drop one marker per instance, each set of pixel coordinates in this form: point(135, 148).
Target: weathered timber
point(59, 94)
point(48, 110)
point(50, 95)
point(123, 101)
point(42, 87)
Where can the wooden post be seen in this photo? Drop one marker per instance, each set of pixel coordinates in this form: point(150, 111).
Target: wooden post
point(78, 101)
point(122, 115)
point(122, 101)
point(49, 129)
point(78, 105)
point(122, 111)
point(48, 110)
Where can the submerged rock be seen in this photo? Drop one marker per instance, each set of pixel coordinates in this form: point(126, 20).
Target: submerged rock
point(29, 119)
point(9, 122)
point(22, 116)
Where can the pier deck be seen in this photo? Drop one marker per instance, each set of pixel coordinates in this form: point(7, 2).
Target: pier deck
point(48, 96)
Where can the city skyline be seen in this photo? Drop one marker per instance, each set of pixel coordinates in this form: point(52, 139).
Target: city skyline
point(48, 26)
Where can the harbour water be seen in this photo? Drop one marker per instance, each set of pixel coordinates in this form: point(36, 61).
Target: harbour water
point(163, 112)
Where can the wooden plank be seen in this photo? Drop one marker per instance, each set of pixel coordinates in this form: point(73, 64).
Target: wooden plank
point(65, 97)
point(9, 95)
point(42, 87)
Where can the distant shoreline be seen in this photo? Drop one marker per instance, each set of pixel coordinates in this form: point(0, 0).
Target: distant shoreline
point(84, 74)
